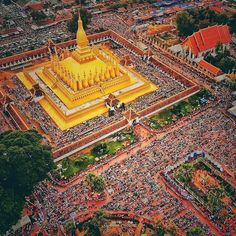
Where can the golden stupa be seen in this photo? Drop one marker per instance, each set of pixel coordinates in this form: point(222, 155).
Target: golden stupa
point(75, 87)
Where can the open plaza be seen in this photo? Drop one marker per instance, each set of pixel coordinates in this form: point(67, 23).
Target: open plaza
point(121, 107)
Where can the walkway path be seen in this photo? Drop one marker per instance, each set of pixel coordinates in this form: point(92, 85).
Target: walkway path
point(139, 146)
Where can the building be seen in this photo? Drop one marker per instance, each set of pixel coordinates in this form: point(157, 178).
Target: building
point(206, 40)
point(76, 84)
point(215, 71)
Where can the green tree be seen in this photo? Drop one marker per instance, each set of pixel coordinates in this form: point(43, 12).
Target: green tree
point(219, 48)
point(159, 229)
point(184, 174)
point(90, 178)
point(100, 149)
point(8, 54)
point(192, 20)
point(194, 100)
point(38, 15)
point(82, 2)
point(92, 226)
point(166, 115)
point(23, 163)
point(232, 23)
point(96, 183)
point(99, 218)
point(99, 184)
point(185, 24)
point(214, 199)
point(181, 108)
point(91, 229)
point(6, 2)
point(233, 88)
point(222, 59)
point(195, 232)
point(71, 227)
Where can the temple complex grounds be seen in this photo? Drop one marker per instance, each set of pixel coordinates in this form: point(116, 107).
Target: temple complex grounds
point(80, 161)
point(130, 153)
point(39, 119)
point(208, 186)
point(73, 86)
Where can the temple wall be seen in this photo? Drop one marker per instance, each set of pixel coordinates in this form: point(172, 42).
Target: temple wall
point(187, 82)
point(25, 57)
point(16, 116)
point(168, 101)
point(89, 138)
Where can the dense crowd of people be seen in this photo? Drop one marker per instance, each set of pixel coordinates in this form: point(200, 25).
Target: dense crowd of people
point(34, 112)
point(27, 37)
point(5, 124)
point(135, 184)
point(167, 86)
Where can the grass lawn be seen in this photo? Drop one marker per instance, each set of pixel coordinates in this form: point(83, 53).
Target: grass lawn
point(130, 136)
point(78, 162)
point(179, 109)
point(161, 119)
point(75, 166)
point(114, 146)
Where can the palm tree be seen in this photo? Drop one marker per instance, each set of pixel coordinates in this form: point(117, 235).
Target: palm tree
point(70, 227)
point(214, 199)
point(90, 178)
point(99, 218)
point(92, 226)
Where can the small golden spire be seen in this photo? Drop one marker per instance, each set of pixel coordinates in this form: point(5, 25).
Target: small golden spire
point(81, 37)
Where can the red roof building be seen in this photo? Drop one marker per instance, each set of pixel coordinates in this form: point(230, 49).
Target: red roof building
point(131, 115)
point(210, 68)
point(111, 100)
point(217, 9)
point(37, 6)
point(207, 38)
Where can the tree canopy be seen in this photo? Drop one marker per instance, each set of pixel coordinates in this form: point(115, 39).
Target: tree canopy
point(195, 232)
point(221, 59)
point(38, 15)
point(96, 183)
point(162, 230)
point(92, 226)
point(82, 2)
point(192, 20)
point(71, 227)
point(184, 174)
point(185, 24)
point(100, 149)
point(214, 199)
point(232, 23)
point(23, 163)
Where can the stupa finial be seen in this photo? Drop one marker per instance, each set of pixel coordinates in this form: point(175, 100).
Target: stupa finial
point(81, 37)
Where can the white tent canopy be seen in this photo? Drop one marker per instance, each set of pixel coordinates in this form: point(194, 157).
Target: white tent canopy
point(23, 221)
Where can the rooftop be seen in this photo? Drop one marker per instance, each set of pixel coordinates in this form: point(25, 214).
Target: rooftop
point(207, 38)
point(209, 67)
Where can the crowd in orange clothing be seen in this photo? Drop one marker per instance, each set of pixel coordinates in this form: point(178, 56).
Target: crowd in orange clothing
point(134, 184)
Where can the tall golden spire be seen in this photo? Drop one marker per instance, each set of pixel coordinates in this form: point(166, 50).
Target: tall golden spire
point(81, 37)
